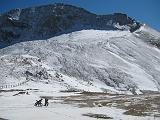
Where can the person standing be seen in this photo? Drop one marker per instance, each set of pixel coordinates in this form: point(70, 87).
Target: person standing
point(46, 102)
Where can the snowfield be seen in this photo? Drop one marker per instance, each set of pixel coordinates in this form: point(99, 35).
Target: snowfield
point(86, 75)
point(87, 60)
point(20, 106)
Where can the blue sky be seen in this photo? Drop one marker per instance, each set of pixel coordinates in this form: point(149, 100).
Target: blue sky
point(145, 11)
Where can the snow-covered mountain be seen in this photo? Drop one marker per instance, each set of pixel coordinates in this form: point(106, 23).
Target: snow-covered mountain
point(97, 53)
point(55, 19)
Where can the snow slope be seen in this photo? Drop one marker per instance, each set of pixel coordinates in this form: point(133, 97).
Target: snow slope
point(148, 35)
point(90, 60)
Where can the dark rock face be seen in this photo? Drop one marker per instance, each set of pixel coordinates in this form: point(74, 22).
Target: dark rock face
point(50, 20)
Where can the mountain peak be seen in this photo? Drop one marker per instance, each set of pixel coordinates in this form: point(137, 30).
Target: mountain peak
point(49, 20)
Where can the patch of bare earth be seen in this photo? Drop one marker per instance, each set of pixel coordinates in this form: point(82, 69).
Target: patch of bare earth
point(147, 104)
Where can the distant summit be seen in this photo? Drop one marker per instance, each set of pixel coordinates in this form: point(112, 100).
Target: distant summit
point(49, 20)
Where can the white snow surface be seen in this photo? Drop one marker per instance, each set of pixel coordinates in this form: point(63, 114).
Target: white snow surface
point(152, 32)
point(21, 107)
point(87, 60)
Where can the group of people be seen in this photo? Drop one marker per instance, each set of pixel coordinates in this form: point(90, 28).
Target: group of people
point(39, 102)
